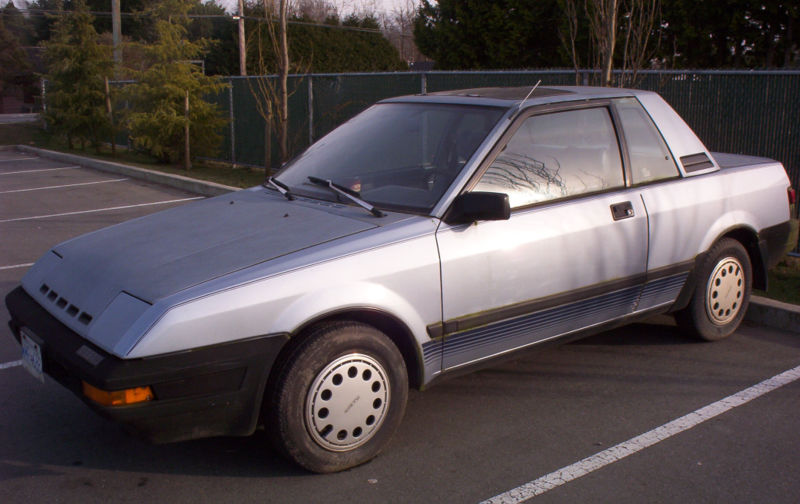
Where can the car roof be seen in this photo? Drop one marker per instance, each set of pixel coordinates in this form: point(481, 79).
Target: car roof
point(508, 97)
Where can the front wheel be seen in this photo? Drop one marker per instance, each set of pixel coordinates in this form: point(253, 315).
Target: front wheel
point(722, 293)
point(338, 397)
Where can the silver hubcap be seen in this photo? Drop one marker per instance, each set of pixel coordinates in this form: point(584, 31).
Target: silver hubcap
point(347, 402)
point(725, 291)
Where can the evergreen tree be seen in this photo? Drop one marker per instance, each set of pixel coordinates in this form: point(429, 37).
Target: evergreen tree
point(222, 57)
point(41, 22)
point(157, 121)
point(13, 61)
point(732, 34)
point(77, 69)
point(18, 24)
point(354, 44)
point(134, 27)
point(474, 34)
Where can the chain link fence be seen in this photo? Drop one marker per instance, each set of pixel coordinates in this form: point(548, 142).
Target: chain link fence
point(749, 112)
point(754, 112)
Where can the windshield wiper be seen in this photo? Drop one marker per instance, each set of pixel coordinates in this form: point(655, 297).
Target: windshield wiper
point(280, 187)
point(347, 193)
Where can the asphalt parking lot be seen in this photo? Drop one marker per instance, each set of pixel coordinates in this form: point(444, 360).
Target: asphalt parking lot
point(641, 414)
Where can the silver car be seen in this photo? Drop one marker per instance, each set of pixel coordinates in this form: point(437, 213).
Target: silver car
point(425, 235)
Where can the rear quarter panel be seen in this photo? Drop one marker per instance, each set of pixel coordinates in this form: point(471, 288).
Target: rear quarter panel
point(680, 138)
point(688, 215)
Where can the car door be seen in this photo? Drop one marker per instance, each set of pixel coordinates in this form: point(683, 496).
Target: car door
point(573, 253)
point(672, 205)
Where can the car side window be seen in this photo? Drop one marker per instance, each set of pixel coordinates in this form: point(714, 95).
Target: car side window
point(650, 158)
point(557, 155)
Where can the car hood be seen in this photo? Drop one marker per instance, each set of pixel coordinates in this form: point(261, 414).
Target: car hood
point(160, 254)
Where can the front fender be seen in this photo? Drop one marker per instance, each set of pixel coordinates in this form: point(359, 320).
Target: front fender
point(407, 289)
point(351, 296)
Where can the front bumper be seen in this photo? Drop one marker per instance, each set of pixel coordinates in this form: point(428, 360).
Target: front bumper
point(209, 391)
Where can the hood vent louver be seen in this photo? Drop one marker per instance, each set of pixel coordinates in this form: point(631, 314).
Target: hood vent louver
point(63, 304)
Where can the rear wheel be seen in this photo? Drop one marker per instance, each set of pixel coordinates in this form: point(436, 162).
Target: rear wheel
point(722, 293)
point(338, 397)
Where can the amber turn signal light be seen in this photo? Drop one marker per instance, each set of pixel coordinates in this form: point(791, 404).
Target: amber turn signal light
point(118, 397)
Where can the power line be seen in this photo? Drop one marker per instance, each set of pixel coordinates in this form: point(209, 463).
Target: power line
point(209, 16)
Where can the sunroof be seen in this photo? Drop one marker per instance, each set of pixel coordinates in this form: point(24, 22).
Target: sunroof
point(503, 93)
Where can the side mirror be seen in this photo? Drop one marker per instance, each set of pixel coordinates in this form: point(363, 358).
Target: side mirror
point(475, 206)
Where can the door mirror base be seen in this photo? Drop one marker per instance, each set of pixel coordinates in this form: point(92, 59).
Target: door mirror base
point(475, 206)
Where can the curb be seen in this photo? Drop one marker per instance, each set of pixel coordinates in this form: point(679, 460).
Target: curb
point(176, 181)
point(762, 311)
point(773, 314)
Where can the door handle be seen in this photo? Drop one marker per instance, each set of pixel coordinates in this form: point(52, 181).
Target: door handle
point(622, 210)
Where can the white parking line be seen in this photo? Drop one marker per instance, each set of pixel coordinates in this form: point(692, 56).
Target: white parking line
point(11, 364)
point(17, 159)
point(40, 170)
point(615, 453)
point(15, 266)
point(62, 186)
point(100, 210)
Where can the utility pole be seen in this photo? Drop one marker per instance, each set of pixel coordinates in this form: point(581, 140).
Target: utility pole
point(283, 77)
point(242, 45)
point(116, 35)
point(187, 158)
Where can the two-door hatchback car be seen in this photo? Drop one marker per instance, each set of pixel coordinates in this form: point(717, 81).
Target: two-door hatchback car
point(426, 234)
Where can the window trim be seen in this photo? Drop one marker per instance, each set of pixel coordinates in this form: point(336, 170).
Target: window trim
point(499, 146)
point(624, 145)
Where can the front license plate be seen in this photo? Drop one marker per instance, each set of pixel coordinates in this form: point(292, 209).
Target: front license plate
point(31, 355)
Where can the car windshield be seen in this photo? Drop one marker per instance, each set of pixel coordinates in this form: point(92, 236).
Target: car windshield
point(400, 156)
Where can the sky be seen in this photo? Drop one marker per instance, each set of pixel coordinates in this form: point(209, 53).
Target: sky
point(347, 6)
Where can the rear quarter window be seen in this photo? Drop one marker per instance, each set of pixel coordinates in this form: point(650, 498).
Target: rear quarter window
point(649, 155)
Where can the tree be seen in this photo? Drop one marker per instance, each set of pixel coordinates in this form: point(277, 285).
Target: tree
point(473, 34)
point(623, 34)
point(603, 34)
point(732, 34)
point(272, 102)
point(602, 15)
point(18, 24)
point(221, 57)
point(281, 44)
point(41, 18)
point(77, 68)
point(398, 28)
point(158, 120)
point(698, 34)
point(42, 22)
point(354, 44)
point(13, 60)
point(313, 10)
point(632, 24)
point(641, 29)
point(569, 33)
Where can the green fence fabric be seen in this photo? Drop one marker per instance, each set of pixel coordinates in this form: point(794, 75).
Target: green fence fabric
point(744, 112)
point(444, 81)
point(755, 113)
point(747, 112)
point(337, 98)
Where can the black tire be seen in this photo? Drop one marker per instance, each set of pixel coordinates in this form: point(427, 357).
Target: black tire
point(337, 398)
point(722, 293)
